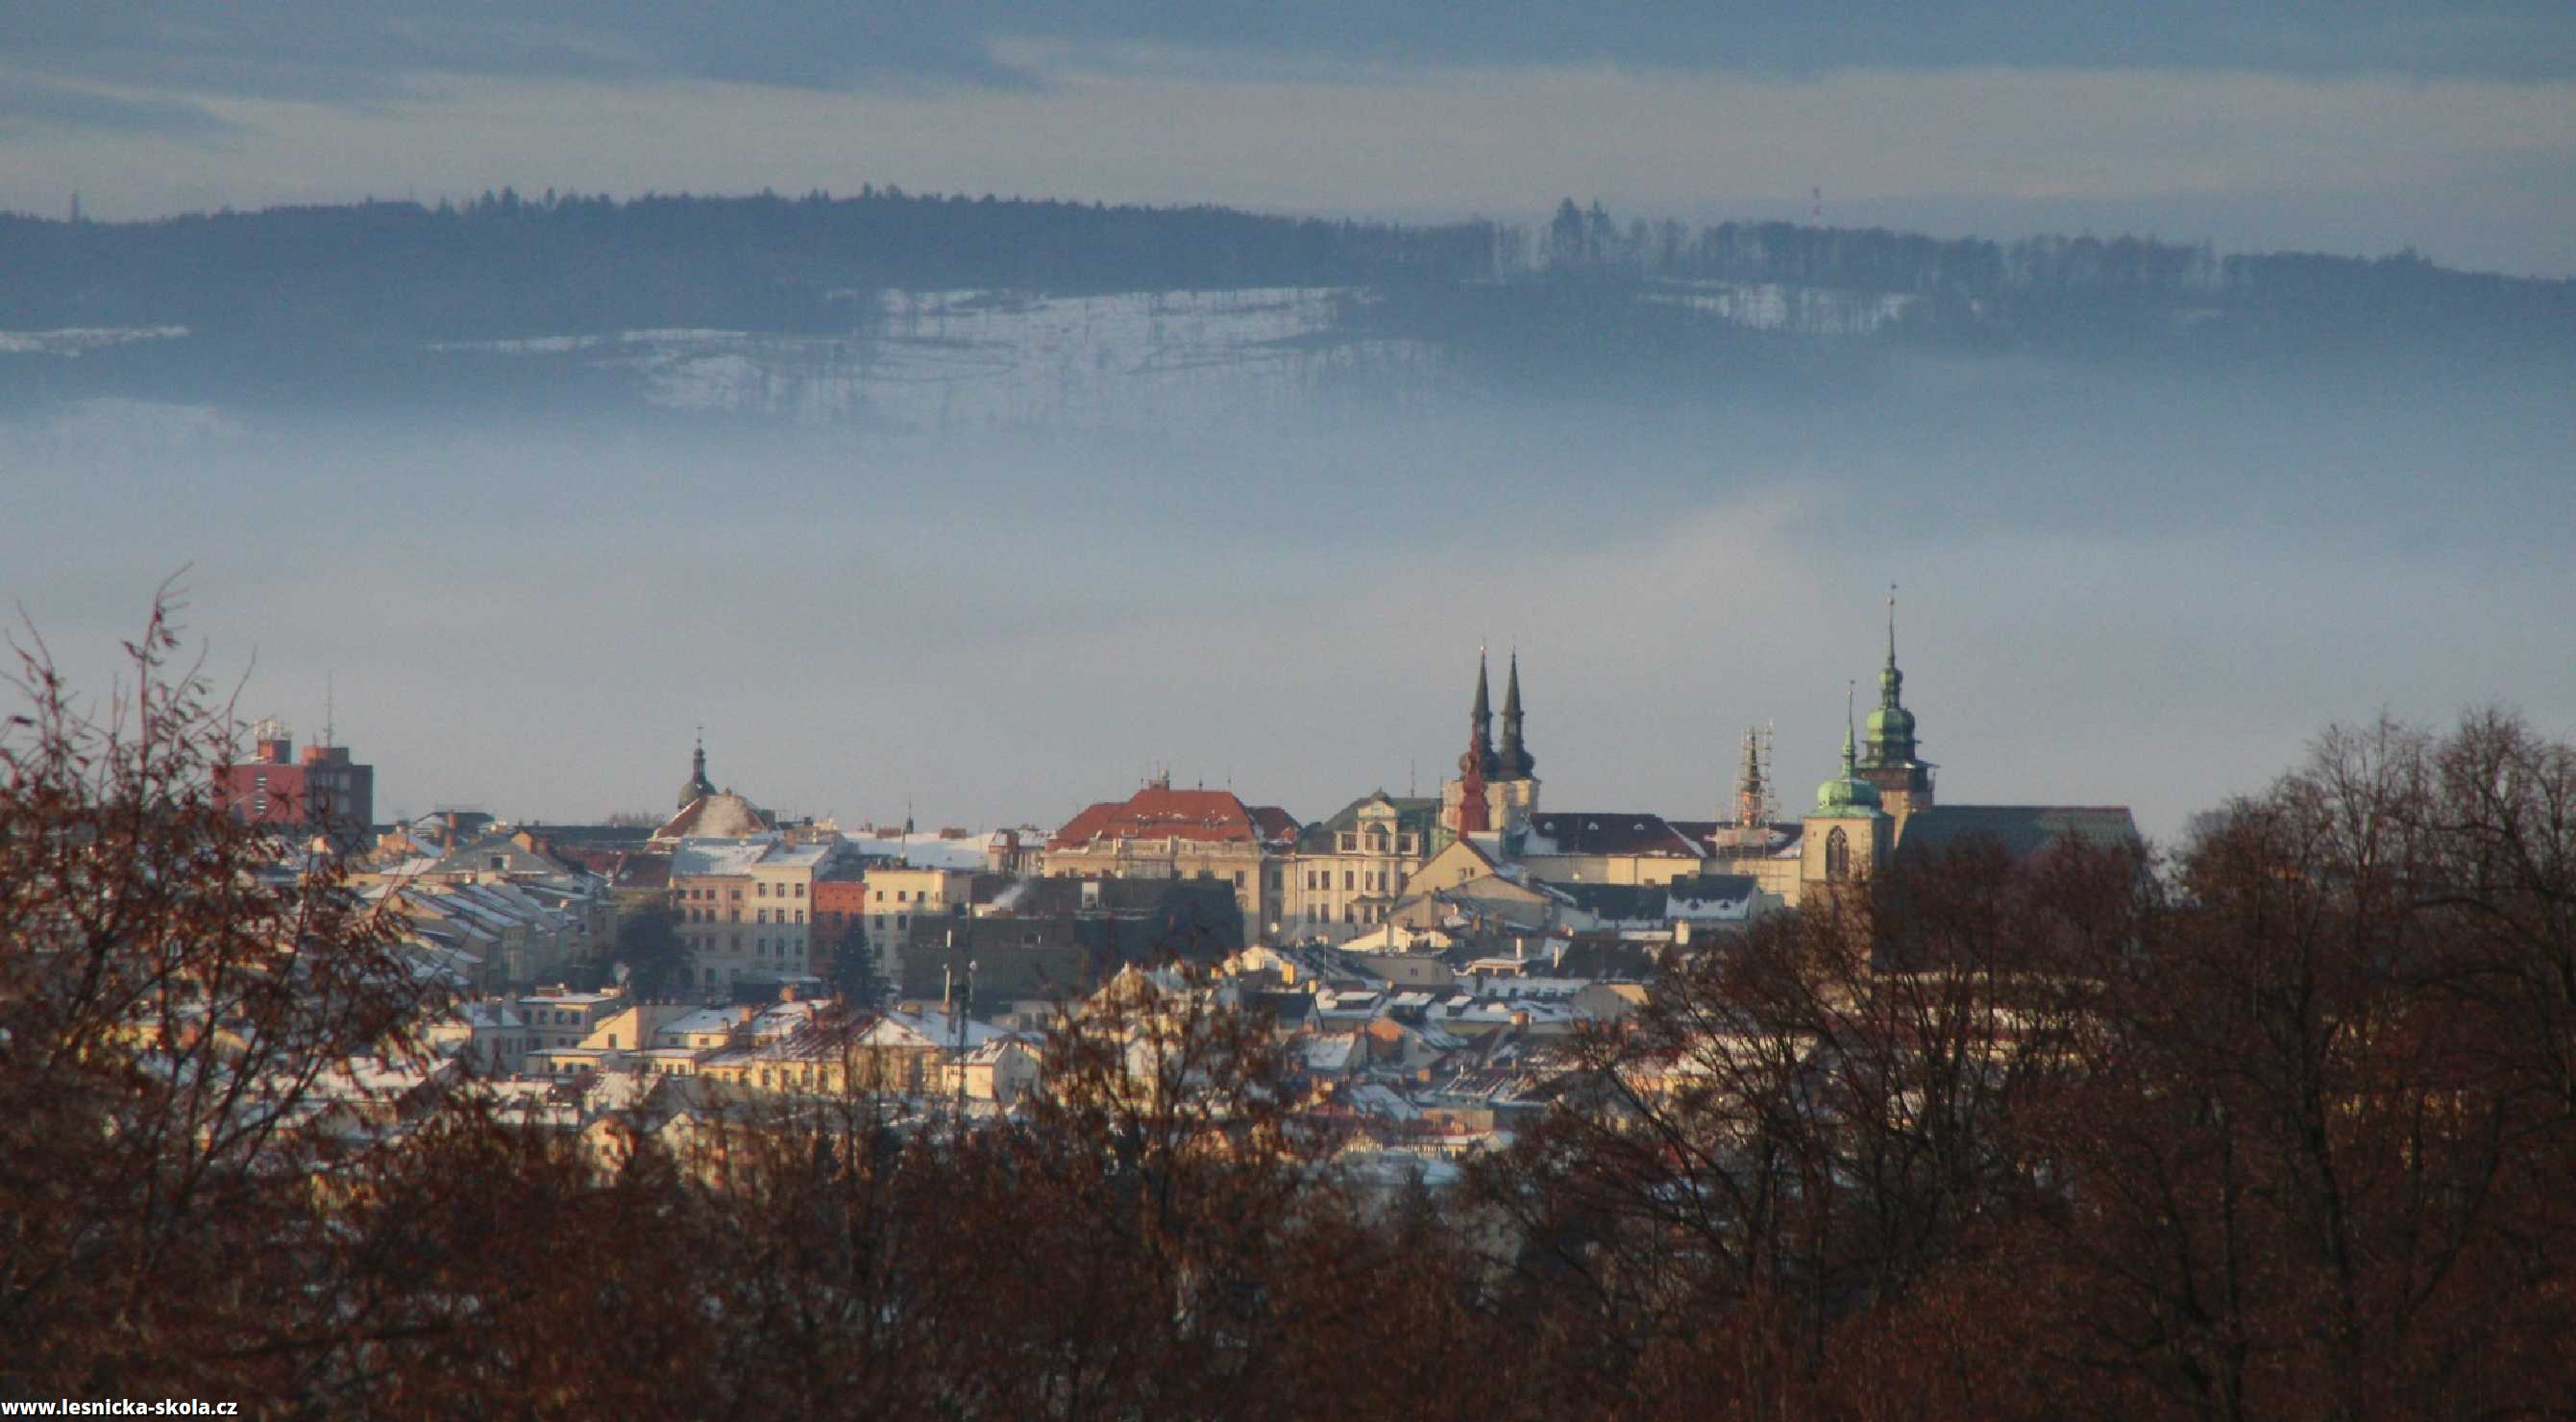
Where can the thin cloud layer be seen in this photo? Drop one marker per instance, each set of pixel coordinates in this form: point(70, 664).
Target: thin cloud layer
point(339, 49)
point(31, 106)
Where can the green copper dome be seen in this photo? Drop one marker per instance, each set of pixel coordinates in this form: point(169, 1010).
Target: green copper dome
point(1846, 797)
point(1891, 726)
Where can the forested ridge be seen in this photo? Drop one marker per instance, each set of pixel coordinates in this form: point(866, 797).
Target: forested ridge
point(505, 265)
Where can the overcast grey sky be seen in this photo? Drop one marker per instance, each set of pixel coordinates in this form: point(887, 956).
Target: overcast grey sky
point(2341, 127)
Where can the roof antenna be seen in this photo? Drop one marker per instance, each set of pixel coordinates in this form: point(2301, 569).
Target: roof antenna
point(330, 734)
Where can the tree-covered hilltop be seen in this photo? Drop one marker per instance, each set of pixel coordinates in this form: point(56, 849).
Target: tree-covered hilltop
point(316, 300)
point(504, 265)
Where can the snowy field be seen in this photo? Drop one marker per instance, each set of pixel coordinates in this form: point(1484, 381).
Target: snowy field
point(950, 361)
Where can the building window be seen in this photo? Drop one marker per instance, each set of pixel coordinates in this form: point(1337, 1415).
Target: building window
point(1346, 881)
point(1837, 855)
point(800, 915)
point(800, 891)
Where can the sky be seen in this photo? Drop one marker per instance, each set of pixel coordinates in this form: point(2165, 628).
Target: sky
point(2359, 128)
point(2110, 593)
point(2113, 592)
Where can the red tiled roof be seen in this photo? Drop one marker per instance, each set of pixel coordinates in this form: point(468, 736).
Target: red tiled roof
point(1213, 816)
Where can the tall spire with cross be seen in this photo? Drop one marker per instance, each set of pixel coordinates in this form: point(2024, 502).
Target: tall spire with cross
point(1516, 761)
point(1891, 758)
point(1480, 726)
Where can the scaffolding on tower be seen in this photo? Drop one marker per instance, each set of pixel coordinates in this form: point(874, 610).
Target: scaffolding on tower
point(1754, 807)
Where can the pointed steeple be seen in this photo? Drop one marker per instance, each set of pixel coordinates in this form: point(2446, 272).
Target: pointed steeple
point(1847, 795)
point(1514, 757)
point(1851, 746)
point(1891, 726)
point(1480, 727)
point(1890, 680)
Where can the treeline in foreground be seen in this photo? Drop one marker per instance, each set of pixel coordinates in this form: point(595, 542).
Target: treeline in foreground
point(2279, 1126)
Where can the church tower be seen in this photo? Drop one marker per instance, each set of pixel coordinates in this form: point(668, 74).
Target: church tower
point(1496, 779)
point(1889, 760)
point(698, 786)
point(1848, 835)
point(1515, 790)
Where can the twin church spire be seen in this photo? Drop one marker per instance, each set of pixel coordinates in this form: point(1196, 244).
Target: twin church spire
point(1509, 760)
point(1495, 789)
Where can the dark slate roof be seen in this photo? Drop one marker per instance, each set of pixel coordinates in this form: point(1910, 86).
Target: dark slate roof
point(1712, 888)
point(1416, 813)
point(639, 871)
point(2021, 830)
point(1614, 832)
point(1624, 903)
point(596, 836)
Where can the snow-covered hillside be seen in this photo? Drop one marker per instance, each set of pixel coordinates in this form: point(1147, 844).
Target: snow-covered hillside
point(1805, 310)
point(966, 360)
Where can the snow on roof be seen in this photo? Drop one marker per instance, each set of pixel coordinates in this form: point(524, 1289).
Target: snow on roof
point(926, 850)
point(926, 1029)
point(1534, 987)
point(1161, 812)
point(700, 857)
point(1330, 1051)
point(704, 1019)
point(1376, 1099)
point(617, 1090)
point(488, 1016)
point(784, 1018)
point(568, 999)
